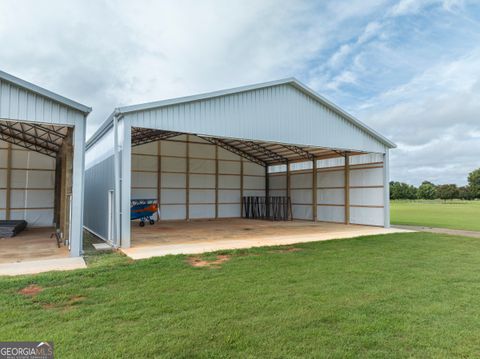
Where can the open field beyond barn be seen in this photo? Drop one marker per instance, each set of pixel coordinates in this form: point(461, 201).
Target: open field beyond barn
point(398, 295)
point(436, 213)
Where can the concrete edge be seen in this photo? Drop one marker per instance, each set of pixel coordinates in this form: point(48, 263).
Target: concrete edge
point(203, 247)
point(41, 266)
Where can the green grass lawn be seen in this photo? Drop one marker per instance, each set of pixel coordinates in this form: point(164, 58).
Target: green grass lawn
point(449, 214)
point(399, 295)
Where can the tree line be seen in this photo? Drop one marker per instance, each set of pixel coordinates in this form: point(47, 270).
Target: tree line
point(428, 190)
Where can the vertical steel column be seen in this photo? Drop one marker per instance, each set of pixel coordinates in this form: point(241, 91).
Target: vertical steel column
point(116, 174)
point(126, 183)
point(76, 225)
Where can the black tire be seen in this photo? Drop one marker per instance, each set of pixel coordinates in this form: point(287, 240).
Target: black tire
point(152, 222)
point(142, 224)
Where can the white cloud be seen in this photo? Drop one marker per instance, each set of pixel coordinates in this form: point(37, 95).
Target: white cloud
point(371, 30)
point(408, 7)
point(346, 77)
point(435, 119)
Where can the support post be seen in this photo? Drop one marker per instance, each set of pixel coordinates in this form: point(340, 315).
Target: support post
point(289, 191)
point(58, 190)
point(187, 182)
point(386, 189)
point(347, 188)
point(76, 224)
point(126, 186)
point(241, 188)
point(314, 190)
point(216, 181)
point(8, 186)
point(159, 176)
point(267, 193)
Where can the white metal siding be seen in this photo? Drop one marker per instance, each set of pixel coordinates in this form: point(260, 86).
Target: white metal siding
point(20, 104)
point(99, 180)
point(278, 114)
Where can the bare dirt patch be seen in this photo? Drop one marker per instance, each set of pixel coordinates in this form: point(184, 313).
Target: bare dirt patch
point(199, 262)
point(31, 290)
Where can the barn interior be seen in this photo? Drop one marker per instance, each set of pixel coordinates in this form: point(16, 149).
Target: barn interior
point(36, 162)
point(210, 189)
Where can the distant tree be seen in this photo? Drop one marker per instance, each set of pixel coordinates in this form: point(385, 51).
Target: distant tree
point(447, 191)
point(427, 190)
point(474, 183)
point(399, 190)
point(466, 193)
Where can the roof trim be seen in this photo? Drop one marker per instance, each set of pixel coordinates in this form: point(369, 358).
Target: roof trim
point(44, 92)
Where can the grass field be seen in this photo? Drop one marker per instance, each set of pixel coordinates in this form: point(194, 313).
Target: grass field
point(449, 214)
point(399, 295)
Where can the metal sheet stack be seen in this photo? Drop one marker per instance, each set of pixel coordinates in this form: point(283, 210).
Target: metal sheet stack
point(11, 228)
point(270, 208)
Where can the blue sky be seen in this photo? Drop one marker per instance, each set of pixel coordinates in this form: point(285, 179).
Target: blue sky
point(410, 69)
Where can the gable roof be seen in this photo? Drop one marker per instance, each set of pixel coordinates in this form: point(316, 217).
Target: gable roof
point(124, 110)
point(288, 81)
point(44, 92)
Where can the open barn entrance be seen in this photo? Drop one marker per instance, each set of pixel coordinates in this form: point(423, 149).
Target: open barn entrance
point(212, 190)
point(36, 162)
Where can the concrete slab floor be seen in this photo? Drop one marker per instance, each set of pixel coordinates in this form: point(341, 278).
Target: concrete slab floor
point(31, 244)
point(33, 251)
point(198, 236)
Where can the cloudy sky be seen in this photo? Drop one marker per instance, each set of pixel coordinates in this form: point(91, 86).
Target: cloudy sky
point(408, 68)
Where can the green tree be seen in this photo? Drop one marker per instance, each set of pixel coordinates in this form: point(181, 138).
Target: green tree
point(427, 190)
point(447, 191)
point(400, 190)
point(474, 183)
point(465, 192)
